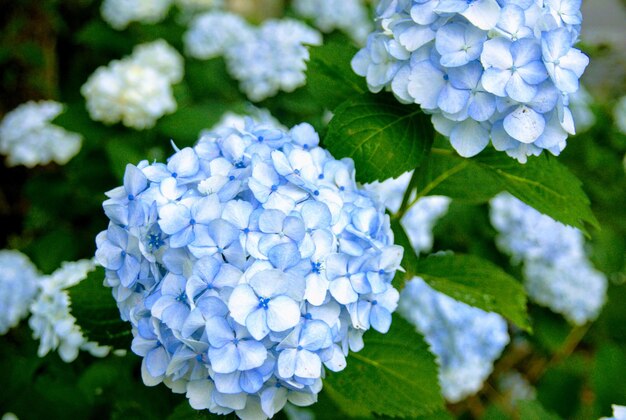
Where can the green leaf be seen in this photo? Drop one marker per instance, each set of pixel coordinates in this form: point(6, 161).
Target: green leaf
point(184, 411)
point(384, 137)
point(329, 75)
point(477, 282)
point(96, 312)
point(542, 183)
point(394, 375)
point(410, 259)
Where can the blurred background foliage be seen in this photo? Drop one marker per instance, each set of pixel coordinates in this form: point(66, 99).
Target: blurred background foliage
point(48, 48)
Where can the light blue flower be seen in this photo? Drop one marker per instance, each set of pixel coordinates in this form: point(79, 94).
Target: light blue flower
point(512, 69)
point(299, 351)
point(478, 65)
point(237, 271)
point(565, 64)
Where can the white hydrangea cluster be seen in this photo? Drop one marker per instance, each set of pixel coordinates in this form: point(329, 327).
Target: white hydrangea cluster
point(419, 220)
point(265, 59)
point(27, 137)
point(557, 271)
point(348, 16)
point(120, 13)
point(18, 287)
point(619, 114)
point(51, 320)
point(465, 340)
point(136, 90)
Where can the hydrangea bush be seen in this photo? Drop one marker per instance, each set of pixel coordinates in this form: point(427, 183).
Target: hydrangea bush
point(246, 265)
point(258, 268)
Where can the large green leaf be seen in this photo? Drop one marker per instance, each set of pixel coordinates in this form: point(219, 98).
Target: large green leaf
point(477, 282)
point(542, 183)
point(329, 76)
point(96, 312)
point(466, 278)
point(394, 375)
point(383, 137)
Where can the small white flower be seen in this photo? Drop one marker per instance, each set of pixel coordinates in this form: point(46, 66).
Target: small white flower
point(212, 33)
point(28, 138)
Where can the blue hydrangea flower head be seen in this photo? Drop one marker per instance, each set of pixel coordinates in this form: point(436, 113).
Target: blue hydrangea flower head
point(465, 340)
point(247, 265)
point(557, 271)
point(487, 70)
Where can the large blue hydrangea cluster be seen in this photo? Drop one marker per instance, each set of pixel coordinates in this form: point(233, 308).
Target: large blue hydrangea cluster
point(246, 265)
point(557, 272)
point(485, 69)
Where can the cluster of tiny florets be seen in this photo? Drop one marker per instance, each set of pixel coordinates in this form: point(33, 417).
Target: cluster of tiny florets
point(18, 287)
point(485, 69)
point(51, 320)
point(557, 272)
point(348, 16)
point(246, 265)
point(136, 90)
point(27, 136)
point(265, 59)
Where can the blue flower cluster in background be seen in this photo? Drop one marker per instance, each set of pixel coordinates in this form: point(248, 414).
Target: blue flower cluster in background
point(246, 265)
point(557, 271)
point(499, 70)
point(264, 59)
point(465, 340)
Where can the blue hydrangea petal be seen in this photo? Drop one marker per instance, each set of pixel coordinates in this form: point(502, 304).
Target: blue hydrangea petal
point(273, 399)
point(228, 385)
point(425, 84)
point(224, 359)
point(286, 363)
point(469, 138)
point(316, 288)
point(256, 323)
point(252, 354)
point(341, 289)
point(380, 319)
point(524, 124)
point(282, 313)
point(219, 332)
point(251, 381)
point(173, 218)
point(308, 364)
point(184, 163)
point(315, 336)
point(242, 302)
point(157, 361)
point(483, 13)
point(135, 181)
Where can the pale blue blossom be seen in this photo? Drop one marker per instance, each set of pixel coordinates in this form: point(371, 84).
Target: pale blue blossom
point(247, 266)
point(18, 287)
point(557, 271)
point(487, 70)
point(465, 340)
